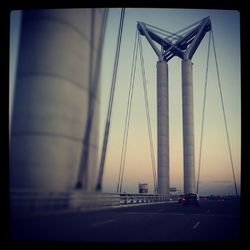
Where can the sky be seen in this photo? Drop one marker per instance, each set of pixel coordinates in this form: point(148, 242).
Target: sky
point(216, 173)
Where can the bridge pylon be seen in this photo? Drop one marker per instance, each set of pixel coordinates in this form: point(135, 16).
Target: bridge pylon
point(182, 44)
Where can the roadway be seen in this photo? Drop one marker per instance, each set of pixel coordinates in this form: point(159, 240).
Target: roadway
point(213, 220)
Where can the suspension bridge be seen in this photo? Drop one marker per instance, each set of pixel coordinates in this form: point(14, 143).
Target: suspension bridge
point(51, 150)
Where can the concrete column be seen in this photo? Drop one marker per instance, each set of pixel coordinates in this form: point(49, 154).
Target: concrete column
point(188, 127)
point(163, 127)
point(51, 99)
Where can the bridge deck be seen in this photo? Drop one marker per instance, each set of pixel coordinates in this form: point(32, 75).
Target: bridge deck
point(213, 220)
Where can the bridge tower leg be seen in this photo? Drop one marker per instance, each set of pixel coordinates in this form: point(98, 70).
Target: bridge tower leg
point(163, 127)
point(50, 107)
point(188, 127)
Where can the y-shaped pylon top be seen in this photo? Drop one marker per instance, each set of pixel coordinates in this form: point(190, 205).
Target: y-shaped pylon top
point(174, 44)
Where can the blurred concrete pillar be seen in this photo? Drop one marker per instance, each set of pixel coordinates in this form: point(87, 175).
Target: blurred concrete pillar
point(51, 99)
point(188, 127)
point(163, 127)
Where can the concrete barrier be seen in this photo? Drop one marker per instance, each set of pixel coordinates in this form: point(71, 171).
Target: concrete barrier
point(87, 201)
point(29, 202)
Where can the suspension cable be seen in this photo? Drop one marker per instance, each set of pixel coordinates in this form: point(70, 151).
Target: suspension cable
point(93, 84)
point(187, 29)
point(172, 35)
point(111, 98)
point(203, 113)
point(224, 114)
point(163, 32)
point(128, 112)
point(148, 115)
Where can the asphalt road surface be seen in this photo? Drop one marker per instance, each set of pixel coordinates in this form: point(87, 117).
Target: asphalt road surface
point(165, 222)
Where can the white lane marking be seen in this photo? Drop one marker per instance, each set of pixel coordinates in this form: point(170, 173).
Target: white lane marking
point(196, 224)
point(102, 223)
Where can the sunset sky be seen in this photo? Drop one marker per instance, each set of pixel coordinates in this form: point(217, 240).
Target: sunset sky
point(216, 173)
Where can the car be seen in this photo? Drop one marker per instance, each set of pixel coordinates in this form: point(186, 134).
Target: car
point(180, 200)
point(191, 199)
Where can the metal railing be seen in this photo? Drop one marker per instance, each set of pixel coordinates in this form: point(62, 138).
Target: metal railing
point(27, 202)
point(141, 198)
